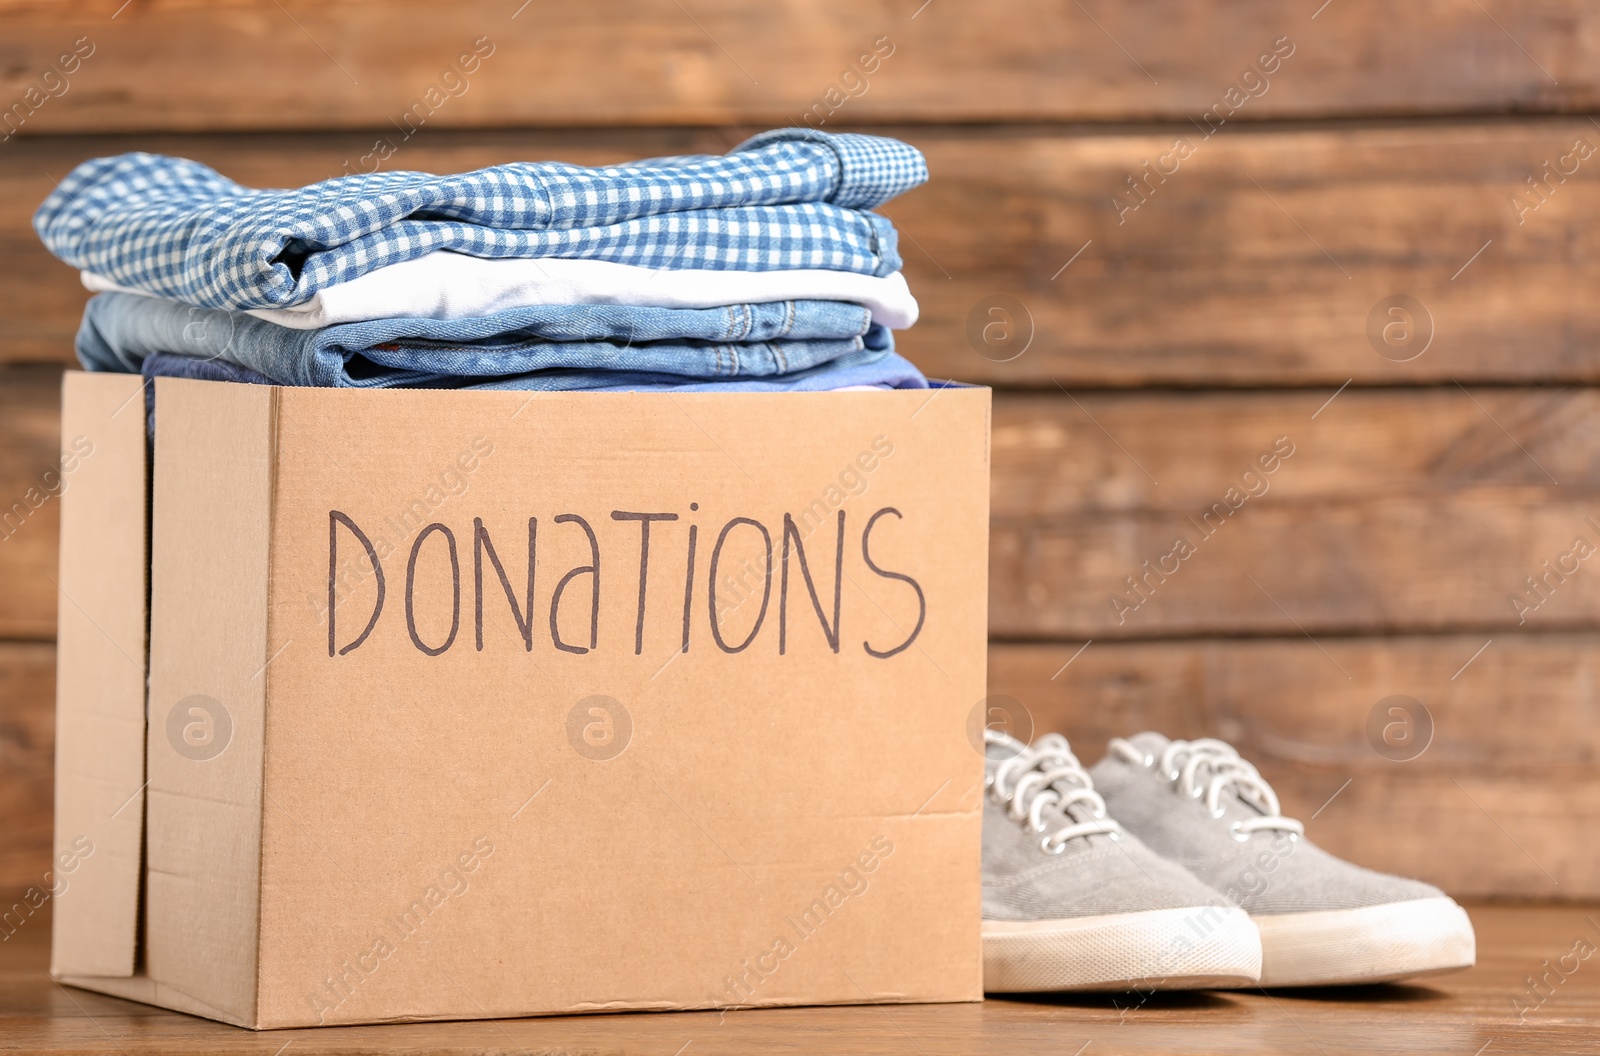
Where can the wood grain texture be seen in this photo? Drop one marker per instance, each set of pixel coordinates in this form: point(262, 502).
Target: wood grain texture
point(1258, 259)
point(30, 481)
point(1489, 807)
point(1107, 453)
point(1452, 1015)
point(1397, 510)
point(1435, 563)
point(1259, 262)
point(249, 64)
point(27, 764)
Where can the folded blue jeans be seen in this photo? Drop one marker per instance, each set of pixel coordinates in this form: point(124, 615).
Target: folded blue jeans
point(791, 198)
point(120, 330)
point(875, 368)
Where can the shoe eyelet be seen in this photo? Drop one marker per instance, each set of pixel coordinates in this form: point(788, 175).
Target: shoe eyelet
point(1219, 812)
point(1234, 831)
point(1048, 847)
point(1197, 793)
point(1116, 837)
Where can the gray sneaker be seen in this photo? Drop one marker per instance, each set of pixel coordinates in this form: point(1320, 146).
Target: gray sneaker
point(1071, 902)
point(1323, 921)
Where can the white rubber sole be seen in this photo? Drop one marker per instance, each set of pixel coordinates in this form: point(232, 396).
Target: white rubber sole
point(1374, 944)
point(1160, 949)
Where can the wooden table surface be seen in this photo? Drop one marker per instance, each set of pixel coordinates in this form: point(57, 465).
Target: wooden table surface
point(1489, 1011)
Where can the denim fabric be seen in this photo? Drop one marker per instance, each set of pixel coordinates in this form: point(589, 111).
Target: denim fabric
point(120, 330)
point(168, 365)
point(794, 198)
point(882, 368)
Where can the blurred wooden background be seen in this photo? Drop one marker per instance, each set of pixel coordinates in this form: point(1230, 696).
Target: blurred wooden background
point(1188, 220)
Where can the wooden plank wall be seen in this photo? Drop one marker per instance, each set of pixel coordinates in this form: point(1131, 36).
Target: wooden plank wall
point(1186, 221)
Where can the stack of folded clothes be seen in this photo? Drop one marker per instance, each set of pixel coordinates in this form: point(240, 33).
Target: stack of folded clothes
point(760, 270)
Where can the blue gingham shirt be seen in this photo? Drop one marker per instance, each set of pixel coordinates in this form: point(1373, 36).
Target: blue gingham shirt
point(791, 198)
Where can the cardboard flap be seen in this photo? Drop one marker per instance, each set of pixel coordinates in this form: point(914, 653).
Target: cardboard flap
point(211, 516)
point(100, 677)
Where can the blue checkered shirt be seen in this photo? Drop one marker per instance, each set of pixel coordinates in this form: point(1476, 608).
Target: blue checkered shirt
point(791, 198)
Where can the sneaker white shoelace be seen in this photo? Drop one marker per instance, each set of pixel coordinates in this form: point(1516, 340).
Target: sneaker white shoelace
point(1209, 767)
point(1046, 775)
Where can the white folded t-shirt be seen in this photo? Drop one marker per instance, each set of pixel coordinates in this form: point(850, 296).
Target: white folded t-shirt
point(443, 285)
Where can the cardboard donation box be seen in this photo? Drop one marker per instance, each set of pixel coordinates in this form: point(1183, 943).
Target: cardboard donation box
point(471, 704)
